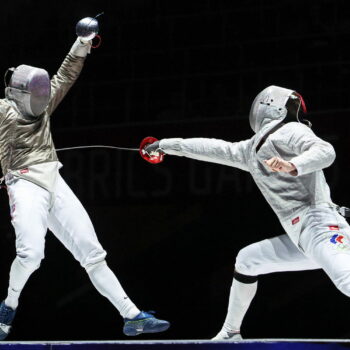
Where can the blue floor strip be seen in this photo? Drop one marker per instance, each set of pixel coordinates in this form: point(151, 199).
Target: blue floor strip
point(251, 344)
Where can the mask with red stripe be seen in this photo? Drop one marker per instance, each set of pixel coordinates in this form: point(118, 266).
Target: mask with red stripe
point(302, 107)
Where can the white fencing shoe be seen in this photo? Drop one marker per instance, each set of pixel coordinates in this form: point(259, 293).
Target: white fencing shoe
point(228, 336)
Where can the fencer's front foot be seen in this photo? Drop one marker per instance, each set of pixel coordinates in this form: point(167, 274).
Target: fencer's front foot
point(144, 322)
point(6, 317)
point(228, 336)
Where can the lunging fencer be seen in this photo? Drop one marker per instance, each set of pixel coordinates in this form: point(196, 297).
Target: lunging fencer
point(39, 197)
point(286, 160)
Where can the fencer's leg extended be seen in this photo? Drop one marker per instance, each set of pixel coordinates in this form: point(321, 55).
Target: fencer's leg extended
point(270, 255)
point(70, 223)
point(135, 322)
point(105, 281)
point(29, 219)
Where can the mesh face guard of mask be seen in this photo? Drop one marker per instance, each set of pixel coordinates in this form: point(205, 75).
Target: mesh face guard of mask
point(29, 87)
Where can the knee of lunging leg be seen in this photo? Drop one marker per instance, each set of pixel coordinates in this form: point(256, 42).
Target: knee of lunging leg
point(244, 263)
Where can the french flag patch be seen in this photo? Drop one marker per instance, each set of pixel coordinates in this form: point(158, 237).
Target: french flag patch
point(295, 220)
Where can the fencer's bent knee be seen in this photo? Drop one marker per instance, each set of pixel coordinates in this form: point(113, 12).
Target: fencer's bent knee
point(245, 262)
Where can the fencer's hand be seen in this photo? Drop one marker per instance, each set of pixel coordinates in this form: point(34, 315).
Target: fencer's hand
point(153, 148)
point(277, 164)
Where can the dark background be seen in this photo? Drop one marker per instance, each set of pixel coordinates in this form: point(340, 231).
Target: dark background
point(184, 68)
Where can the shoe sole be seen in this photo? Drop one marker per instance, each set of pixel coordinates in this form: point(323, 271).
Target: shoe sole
point(131, 332)
point(3, 335)
point(237, 339)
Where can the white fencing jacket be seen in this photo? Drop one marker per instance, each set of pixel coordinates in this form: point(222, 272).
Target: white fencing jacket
point(289, 196)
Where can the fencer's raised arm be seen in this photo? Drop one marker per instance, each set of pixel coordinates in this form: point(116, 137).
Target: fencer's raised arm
point(68, 73)
point(312, 152)
point(211, 150)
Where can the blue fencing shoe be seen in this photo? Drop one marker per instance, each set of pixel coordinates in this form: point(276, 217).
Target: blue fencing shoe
point(6, 317)
point(144, 322)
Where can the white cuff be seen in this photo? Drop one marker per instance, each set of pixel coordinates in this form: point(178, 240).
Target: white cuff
point(299, 169)
point(171, 146)
point(80, 48)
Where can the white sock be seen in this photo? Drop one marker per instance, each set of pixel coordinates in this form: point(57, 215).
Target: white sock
point(241, 296)
point(108, 285)
point(19, 275)
point(12, 298)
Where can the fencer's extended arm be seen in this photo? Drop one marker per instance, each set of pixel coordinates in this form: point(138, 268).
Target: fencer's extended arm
point(312, 152)
point(67, 73)
point(210, 150)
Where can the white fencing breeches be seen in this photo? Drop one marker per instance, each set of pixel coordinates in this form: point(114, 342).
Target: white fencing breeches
point(33, 211)
point(275, 254)
point(326, 240)
point(324, 243)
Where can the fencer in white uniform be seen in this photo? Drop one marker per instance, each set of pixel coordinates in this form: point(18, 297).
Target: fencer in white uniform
point(285, 159)
point(39, 197)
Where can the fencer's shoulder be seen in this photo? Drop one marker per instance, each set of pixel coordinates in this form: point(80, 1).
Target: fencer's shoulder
point(296, 128)
point(3, 106)
point(254, 138)
point(248, 143)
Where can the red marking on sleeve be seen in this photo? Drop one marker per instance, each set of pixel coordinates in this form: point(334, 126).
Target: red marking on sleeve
point(333, 227)
point(295, 220)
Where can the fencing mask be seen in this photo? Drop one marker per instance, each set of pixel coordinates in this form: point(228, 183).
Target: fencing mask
point(29, 87)
point(275, 103)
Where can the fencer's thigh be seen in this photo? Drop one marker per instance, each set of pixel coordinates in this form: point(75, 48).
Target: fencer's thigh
point(325, 238)
point(276, 254)
point(71, 224)
point(29, 206)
